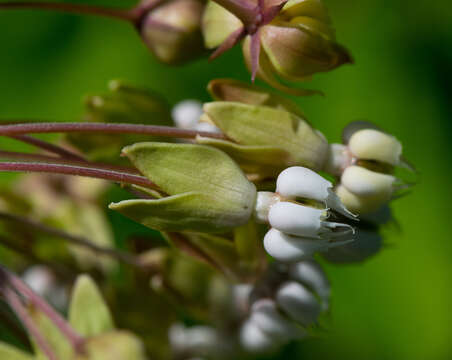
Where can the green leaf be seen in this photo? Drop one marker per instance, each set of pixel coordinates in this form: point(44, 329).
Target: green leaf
point(118, 345)
point(8, 352)
point(211, 192)
point(88, 312)
point(265, 126)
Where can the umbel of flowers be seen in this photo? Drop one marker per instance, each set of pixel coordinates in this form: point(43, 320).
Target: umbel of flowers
point(244, 202)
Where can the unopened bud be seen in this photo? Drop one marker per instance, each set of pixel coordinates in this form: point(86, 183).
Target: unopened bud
point(173, 30)
point(366, 183)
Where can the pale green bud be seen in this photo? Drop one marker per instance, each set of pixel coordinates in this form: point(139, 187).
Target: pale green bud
point(207, 190)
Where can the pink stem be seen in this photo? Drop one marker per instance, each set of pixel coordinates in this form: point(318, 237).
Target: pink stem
point(105, 174)
point(165, 131)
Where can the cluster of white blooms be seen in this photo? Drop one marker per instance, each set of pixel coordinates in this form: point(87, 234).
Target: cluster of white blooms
point(364, 165)
point(284, 313)
point(187, 114)
point(298, 214)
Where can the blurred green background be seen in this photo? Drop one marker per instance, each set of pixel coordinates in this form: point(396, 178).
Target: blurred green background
point(396, 305)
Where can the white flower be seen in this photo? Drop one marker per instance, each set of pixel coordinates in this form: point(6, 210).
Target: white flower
point(372, 144)
point(298, 303)
point(253, 339)
point(299, 182)
point(305, 221)
point(265, 314)
point(289, 248)
point(186, 114)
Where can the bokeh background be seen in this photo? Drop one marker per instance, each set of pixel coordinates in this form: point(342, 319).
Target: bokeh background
point(397, 305)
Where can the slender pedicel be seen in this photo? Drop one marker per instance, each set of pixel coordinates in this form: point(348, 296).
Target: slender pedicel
point(49, 147)
point(155, 130)
point(78, 171)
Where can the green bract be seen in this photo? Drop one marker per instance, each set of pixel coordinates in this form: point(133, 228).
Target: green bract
point(265, 140)
point(207, 190)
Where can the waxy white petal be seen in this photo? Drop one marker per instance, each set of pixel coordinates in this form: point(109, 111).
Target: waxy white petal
point(288, 248)
point(253, 339)
point(296, 219)
point(269, 319)
point(366, 183)
point(360, 204)
point(371, 144)
point(298, 302)
point(310, 273)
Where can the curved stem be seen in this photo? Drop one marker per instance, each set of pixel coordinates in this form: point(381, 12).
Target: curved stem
point(44, 145)
point(15, 303)
point(22, 157)
point(86, 171)
point(155, 130)
point(126, 15)
point(17, 283)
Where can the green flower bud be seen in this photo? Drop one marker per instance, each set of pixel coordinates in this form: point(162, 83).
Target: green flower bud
point(265, 140)
point(123, 104)
point(173, 30)
point(207, 191)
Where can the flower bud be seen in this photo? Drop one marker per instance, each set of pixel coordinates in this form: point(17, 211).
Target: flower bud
point(371, 144)
point(173, 30)
point(358, 204)
point(186, 114)
point(298, 303)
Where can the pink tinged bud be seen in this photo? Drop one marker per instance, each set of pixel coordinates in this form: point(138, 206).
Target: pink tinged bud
point(269, 319)
point(300, 182)
point(298, 303)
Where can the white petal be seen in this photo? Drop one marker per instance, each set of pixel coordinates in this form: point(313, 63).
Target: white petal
point(40, 279)
point(359, 204)
point(264, 200)
point(371, 144)
point(310, 273)
point(288, 248)
point(253, 339)
point(296, 219)
point(298, 302)
point(267, 317)
point(366, 183)
point(187, 113)
point(299, 181)
point(335, 203)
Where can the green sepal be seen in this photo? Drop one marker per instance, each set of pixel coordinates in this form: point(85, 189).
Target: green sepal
point(257, 161)
point(8, 352)
point(314, 9)
point(117, 345)
point(88, 312)
point(207, 190)
point(266, 126)
point(218, 24)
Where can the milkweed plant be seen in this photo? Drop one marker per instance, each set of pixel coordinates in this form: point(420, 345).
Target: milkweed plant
point(243, 195)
